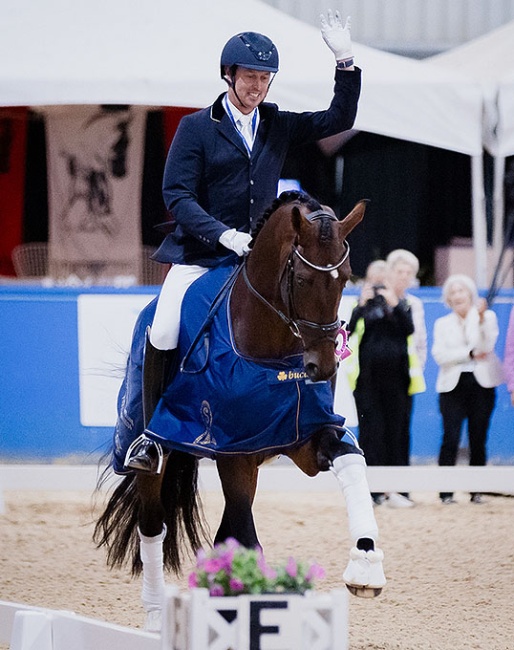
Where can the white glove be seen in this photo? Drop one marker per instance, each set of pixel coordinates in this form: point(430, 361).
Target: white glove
point(336, 36)
point(236, 241)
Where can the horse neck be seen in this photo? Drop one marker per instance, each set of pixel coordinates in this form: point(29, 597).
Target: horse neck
point(259, 332)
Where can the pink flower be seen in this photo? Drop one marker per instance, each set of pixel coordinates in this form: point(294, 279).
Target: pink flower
point(226, 560)
point(236, 584)
point(216, 590)
point(232, 543)
point(200, 556)
point(266, 570)
point(291, 568)
point(229, 568)
point(213, 564)
point(315, 572)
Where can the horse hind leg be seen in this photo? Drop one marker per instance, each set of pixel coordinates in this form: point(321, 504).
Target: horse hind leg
point(152, 533)
point(364, 574)
point(152, 592)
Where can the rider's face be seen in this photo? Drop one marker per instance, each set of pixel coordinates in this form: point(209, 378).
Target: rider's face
point(251, 87)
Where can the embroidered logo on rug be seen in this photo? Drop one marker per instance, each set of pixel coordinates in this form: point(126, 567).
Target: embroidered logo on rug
point(291, 375)
point(206, 438)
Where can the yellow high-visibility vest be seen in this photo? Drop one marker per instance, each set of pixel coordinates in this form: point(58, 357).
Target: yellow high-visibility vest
point(352, 369)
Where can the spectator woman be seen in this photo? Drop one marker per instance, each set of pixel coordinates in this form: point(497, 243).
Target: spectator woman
point(384, 370)
point(469, 372)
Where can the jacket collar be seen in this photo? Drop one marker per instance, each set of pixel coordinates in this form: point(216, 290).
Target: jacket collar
point(225, 126)
point(218, 111)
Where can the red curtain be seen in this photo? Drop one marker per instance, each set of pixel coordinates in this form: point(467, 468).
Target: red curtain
point(172, 116)
point(13, 140)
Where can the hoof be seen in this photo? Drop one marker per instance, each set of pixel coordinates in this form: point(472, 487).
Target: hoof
point(364, 592)
point(364, 575)
point(153, 621)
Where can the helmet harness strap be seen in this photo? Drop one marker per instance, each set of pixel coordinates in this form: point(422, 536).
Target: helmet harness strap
point(231, 81)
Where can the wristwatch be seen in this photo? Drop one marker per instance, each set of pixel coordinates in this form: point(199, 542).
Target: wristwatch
point(346, 63)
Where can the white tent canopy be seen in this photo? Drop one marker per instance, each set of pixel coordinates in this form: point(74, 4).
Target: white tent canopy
point(166, 53)
point(489, 60)
point(505, 129)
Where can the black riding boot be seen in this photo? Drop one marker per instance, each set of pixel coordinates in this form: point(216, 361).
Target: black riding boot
point(145, 454)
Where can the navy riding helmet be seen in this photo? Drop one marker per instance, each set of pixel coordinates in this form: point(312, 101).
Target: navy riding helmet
point(249, 50)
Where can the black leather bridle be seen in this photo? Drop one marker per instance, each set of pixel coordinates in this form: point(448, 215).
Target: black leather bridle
point(293, 321)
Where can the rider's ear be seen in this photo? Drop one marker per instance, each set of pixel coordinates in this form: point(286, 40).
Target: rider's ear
point(228, 75)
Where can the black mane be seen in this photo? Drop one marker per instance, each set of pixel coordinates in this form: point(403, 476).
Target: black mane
point(290, 196)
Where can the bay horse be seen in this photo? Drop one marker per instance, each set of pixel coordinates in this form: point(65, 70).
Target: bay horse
point(281, 309)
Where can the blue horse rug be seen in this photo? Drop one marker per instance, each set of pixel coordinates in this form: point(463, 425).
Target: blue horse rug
point(221, 402)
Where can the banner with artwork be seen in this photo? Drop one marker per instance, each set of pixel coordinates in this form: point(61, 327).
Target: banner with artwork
point(13, 139)
point(95, 169)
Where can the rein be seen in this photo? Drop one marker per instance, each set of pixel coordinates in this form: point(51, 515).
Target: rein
point(294, 323)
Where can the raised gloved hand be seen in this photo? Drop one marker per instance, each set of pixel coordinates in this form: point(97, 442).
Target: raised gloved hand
point(236, 241)
point(336, 36)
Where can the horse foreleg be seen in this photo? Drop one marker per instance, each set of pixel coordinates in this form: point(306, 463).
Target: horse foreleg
point(152, 532)
point(238, 477)
point(364, 575)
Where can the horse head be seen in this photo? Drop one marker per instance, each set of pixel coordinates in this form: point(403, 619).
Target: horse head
point(293, 282)
point(318, 269)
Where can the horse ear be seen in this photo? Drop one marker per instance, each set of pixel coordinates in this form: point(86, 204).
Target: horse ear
point(297, 218)
point(353, 218)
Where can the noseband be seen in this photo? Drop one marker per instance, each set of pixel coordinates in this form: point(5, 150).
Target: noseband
point(294, 322)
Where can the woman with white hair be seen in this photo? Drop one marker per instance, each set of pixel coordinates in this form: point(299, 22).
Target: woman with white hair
point(469, 372)
point(402, 269)
point(384, 372)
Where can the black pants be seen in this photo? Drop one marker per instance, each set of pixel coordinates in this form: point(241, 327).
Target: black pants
point(384, 410)
point(467, 401)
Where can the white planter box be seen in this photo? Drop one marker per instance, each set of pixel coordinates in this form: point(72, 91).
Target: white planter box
point(195, 621)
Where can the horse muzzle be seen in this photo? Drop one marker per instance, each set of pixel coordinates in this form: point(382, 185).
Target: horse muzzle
point(320, 367)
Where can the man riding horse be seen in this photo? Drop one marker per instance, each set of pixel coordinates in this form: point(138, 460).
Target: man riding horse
point(221, 173)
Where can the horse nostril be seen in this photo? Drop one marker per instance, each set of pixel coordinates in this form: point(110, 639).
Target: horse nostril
point(312, 371)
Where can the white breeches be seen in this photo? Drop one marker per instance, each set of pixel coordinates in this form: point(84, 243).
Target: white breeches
point(166, 322)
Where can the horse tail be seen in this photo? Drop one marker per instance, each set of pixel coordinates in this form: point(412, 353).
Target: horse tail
point(184, 515)
point(117, 527)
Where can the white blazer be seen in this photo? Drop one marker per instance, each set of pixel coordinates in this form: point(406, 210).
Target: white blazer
point(454, 338)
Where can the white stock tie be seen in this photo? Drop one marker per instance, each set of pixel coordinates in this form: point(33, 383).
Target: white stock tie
point(244, 124)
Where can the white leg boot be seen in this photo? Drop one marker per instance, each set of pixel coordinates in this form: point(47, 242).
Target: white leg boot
point(364, 575)
point(152, 594)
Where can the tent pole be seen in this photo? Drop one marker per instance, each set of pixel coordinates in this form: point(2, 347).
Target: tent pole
point(479, 221)
point(498, 229)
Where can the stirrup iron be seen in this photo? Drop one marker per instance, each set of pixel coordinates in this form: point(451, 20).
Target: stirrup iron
point(130, 456)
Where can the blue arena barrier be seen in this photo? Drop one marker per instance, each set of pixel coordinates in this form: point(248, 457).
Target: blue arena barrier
point(63, 352)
